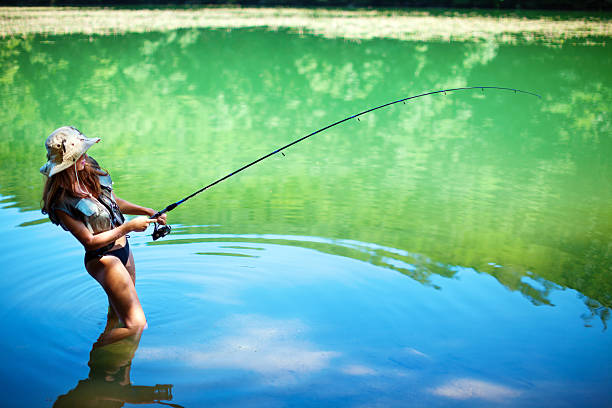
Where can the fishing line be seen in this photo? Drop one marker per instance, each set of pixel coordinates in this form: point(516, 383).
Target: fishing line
point(162, 231)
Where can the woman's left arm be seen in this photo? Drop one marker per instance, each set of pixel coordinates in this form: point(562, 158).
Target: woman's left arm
point(133, 209)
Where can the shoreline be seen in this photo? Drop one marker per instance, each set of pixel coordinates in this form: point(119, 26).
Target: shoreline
point(417, 25)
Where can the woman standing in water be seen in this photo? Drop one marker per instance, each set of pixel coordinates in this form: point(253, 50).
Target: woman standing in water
point(78, 195)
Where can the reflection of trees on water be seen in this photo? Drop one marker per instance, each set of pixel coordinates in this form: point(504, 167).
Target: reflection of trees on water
point(446, 177)
point(108, 383)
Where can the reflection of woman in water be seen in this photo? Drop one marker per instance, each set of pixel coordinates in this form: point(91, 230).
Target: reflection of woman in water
point(78, 195)
point(108, 384)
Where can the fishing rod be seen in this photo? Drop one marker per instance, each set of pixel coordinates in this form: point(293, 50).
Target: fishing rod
point(163, 230)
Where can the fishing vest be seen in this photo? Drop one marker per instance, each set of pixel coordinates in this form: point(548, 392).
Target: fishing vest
point(98, 215)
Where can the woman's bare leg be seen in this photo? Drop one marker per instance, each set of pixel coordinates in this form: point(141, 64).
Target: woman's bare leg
point(118, 283)
point(112, 320)
point(131, 268)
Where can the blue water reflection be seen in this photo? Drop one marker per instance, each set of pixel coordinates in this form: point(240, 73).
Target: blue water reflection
point(248, 321)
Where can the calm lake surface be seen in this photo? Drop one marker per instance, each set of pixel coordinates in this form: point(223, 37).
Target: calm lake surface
point(451, 251)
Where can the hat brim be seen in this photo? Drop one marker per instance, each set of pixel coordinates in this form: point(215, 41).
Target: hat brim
point(51, 168)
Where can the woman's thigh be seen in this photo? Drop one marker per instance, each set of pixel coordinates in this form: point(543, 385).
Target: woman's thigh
point(119, 286)
point(131, 267)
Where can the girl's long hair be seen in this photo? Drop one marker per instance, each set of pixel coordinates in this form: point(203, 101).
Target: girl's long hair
point(61, 184)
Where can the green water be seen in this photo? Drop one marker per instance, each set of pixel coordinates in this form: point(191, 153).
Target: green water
point(507, 185)
point(465, 178)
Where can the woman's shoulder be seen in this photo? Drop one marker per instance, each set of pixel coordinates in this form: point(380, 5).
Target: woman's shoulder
point(106, 180)
point(67, 204)
point(65, 201)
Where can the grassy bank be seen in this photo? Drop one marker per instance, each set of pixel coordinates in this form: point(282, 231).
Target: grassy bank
point(350, 24)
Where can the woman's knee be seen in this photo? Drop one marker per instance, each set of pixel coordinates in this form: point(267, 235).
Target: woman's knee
point(136, 320)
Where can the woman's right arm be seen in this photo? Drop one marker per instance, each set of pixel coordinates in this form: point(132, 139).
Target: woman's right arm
point(92, 242)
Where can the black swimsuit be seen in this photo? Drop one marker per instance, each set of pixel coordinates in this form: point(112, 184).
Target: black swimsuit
point(122, 253)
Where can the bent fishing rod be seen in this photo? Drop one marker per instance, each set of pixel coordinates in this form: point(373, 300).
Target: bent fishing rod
point(163, 230)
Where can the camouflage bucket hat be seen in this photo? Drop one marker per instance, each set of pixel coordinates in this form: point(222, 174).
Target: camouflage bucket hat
point(64, 147)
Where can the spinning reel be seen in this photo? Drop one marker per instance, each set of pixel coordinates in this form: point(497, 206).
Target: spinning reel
point(160, 231)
